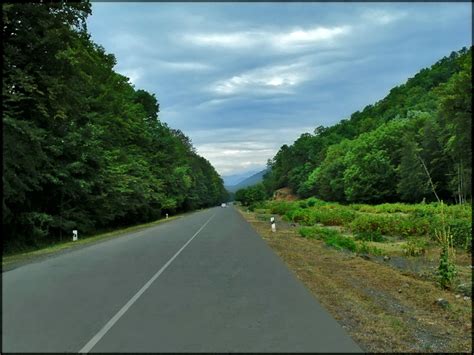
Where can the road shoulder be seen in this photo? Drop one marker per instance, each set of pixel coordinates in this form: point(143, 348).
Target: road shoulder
point(14, 261)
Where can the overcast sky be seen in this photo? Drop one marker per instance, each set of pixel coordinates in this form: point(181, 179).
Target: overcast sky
point(242, 79)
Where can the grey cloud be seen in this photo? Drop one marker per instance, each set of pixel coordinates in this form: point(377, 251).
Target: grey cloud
point(242, 79)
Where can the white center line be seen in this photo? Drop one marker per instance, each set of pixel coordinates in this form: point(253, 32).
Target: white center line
point(124, 309)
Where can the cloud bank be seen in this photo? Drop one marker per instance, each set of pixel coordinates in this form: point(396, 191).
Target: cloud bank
point(243, 79)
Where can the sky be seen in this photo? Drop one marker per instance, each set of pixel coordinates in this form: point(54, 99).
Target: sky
point(242, 79)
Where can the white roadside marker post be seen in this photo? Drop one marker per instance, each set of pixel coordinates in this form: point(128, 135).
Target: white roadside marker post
point(272, 221)
point(74, 235)
point(167, 216)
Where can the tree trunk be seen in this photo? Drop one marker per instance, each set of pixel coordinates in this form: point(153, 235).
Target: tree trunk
point(429, 177)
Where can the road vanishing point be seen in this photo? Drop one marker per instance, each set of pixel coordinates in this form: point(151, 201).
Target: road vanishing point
point(205, 282)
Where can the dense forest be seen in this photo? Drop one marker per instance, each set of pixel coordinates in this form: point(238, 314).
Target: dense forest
point(84, 149)
point(412, 146)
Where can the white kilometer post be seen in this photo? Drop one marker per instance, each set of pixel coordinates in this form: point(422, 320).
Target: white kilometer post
point(74, 235)
point(272, 221)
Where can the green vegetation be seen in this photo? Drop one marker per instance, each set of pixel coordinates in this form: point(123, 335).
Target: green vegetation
point(335, 239)
point(415, 247)
point(412, 146)
point(372, 236)
point(51, 249)
point(84, 149)
point(251, 195)
point(447, 268)
point(340, 242)
point(330, 236)
point(317, 232)
point(374, 223)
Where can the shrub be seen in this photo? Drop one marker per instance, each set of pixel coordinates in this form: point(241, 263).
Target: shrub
point(446, 269)
point(391, 225)
point(340, 242)
point(371, 224)
point(331, 237)
point(317, 232)
point(312, 201)
point(331, 215)
point(375, 236)
point(302, 216)
point(281, 207)
point(415, 247)
point(364, 247)
point(461, 231)
point(302, 204)
point(308, 232)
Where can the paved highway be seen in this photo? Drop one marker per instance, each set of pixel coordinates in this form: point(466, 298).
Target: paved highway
point(205, 282)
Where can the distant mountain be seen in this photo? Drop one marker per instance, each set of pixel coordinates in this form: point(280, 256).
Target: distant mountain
point(252, 180)
point(234, 179)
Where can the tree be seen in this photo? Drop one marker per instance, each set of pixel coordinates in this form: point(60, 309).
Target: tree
point(413, 181)
point(82, 148)
point(455, 115)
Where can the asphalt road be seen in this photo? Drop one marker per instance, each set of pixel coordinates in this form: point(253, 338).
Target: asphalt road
point(202, 283)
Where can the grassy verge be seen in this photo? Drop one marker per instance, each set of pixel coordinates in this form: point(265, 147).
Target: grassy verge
point(19, 258)
point(383, 308)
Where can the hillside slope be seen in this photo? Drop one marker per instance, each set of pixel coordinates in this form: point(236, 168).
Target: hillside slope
point(251, 180)
point(412, 145)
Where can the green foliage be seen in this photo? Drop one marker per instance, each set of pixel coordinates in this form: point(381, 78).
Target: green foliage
point(462, 233)
point(413, 183)
point(82, 148)
point(327, 180)
point(446, 269)
point(364, 248)
point(330, 236)
point(390, 225)
point(281, 207)
point(369, 236)
point(414, 247)
point(413, 145)
point(372, 222)
point(317, 232)
point(251, 195)
point(312, 201)
point(340, 242)
point(310, 232)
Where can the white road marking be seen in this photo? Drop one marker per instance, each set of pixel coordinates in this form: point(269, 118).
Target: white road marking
point(124, 309)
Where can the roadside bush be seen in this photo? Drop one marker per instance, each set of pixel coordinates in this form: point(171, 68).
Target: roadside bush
point(364, 248)
point(415, 247)
point(372, 224)
point(316, 232)
point(303, 204)
point(410, 226)
point(391, 225)
point(331, 215)
point(312, 201)
point(447, 267)
point(302, 216)
point(460, 229)
point(370, 236)
point(308, 232)
point(331, 237)
point(281, 207)
point(340, 242)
